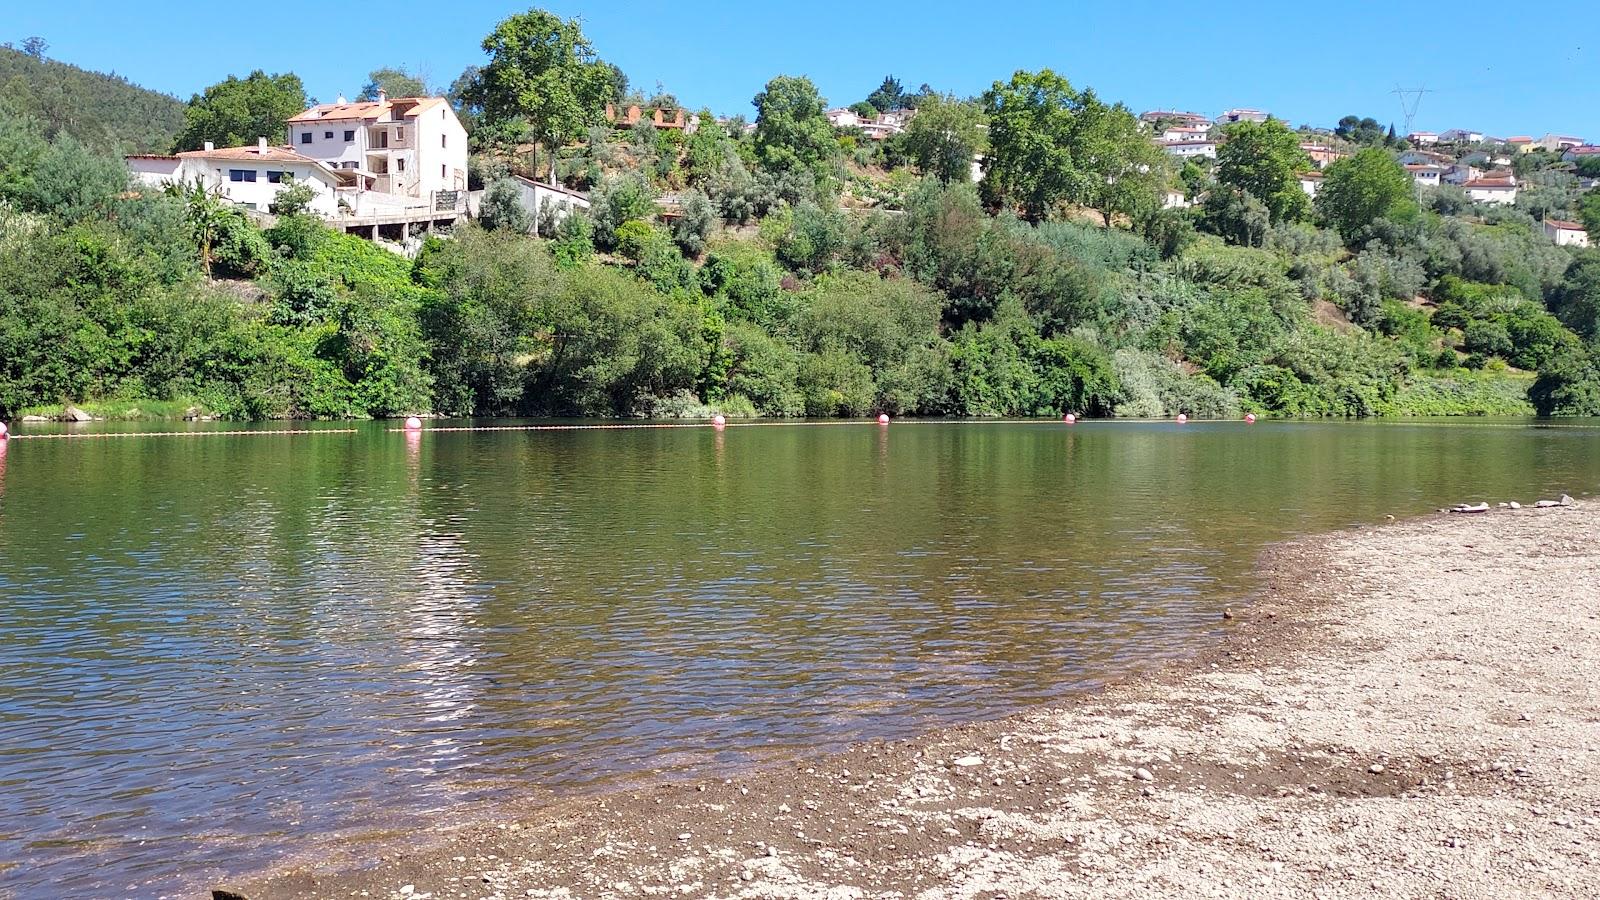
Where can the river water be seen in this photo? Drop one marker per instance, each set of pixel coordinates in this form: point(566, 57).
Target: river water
point(216, 649)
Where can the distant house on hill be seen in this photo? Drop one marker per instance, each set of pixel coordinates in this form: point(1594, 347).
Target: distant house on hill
point(248, 176)
point(1422, 138)
point(1500, 190)
point(1242, 115)
point(1175, 117)
point(1460, 136)
point(1424, 158)
point(1566, 234)
point(1310, 182)
point(844, 118)
point(1189, 149)
point(1522, 143)
point(406, 146)
point(1587, 151)
point(1460, 173)
point(1321, 155)
point(1559, 143)
point(536, 197)
point(1426, 175)
point(1175, 134)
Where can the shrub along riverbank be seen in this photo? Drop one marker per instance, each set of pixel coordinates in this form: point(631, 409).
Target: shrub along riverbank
point(940, 309)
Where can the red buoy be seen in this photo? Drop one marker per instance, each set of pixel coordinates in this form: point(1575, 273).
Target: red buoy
point(1182, 418)
point(4, 433)
point(1249, 418)
point(719, 420)
point(883, 418)
point(413, 423)
point(1070, 419)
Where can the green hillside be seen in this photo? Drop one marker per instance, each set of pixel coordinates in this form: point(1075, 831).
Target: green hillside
point(107, 112)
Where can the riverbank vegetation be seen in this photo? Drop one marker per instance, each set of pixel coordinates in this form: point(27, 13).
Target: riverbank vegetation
point(785, 267)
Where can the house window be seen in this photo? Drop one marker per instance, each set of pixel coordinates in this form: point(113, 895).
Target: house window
point(399, 135)
point(274, 177)
point(441, 171)
point(443, 141)
point(305, 137)
point(327, 135)
point(400, 165)
point(242, 175)
point(349, 136)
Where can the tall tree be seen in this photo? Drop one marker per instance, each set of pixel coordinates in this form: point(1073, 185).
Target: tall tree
point(237, 111)
point(1360, 189)
point(1030, 156)
point(544, 71)
point(944, 137)
point(1124, 170)
point(1589, 213)
point(1264, 159)
point(792, 130)
point(394, 82)
point(889, 95)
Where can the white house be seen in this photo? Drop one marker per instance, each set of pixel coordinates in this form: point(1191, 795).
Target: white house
point(536, 196)
point(1586, 151)
point(844, 118)
point(408, 146)
point(1501, 191)
point(1460, 136)
point(1242, 115)
point(249, 176)
point(1426, 175)
point(1424, 158)
point(1311, 182)
point(1566, 234)
point(1176, 117)
point(1176, 134)
point(1422, 138)
point(1175, 199)
point(1188, 149)
point(1461, 174)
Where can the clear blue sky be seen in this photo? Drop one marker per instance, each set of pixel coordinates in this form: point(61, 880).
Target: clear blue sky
point(1500, 70)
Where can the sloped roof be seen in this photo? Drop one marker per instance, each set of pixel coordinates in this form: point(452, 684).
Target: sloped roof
point(252, 152)
point(1563, 226)
point(364, 110)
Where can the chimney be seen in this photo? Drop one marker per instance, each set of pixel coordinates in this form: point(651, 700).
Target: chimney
point(383, 95)
point(341, 101)
point(210, 146)
point(261, 145)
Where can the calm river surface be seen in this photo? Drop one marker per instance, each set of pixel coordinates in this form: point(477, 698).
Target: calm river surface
point(214, 647)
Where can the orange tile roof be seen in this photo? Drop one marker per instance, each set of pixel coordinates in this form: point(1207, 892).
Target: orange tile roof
point(401, 107)
point(251, 152)
point(1563, 226)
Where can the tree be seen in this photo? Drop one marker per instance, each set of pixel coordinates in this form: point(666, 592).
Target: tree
point(292, 200)
point(1124, 169)
point(238, 111)
point(393, 82)
point(1589, 213)
point(1264, 159)
point(1577, 300)
point(889, 95)
point(207, 214)
point(1030, 158)
point(503, 209)
point(792, 130)
point(1362, 188)
point(544, 71)
point(864, 109)
point(35, 46)
point(944, 137)
point(1359, 130)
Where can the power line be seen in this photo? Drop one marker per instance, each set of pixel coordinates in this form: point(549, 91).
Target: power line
point(1409, 109)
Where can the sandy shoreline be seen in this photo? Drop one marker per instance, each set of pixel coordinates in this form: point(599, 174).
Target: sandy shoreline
point(1409, 710)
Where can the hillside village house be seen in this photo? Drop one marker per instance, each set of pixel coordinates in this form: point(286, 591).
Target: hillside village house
point(249, 176)
point(1522, 143)
point(1425, 158)
point(1321, 155)
point(1422, 138)
point(1566, 234)
point(1189, 149)
point(1242, 115)
point(1559, 143)
point(1175, 117)
point(408, 146)
point(1425, 175)
point(1587, 151)
point(1460, 136)
point(1500, 190)
point(1176, 134)
point(1311, 182)
point(1461, 174)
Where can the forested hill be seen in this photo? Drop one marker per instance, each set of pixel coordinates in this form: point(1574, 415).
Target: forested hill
point(107, 112)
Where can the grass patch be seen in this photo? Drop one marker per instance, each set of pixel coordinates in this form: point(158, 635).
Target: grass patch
point(122, 410)
point(1463, 393)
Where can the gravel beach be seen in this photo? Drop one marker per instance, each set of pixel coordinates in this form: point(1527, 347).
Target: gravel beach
point(1410, 710)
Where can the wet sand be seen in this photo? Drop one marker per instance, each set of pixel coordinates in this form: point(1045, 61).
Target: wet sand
point(1411, 710)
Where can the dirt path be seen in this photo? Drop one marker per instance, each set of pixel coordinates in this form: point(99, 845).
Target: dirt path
point(1411, 710)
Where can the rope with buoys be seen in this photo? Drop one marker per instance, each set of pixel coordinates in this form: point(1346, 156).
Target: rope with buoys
point(134, 434)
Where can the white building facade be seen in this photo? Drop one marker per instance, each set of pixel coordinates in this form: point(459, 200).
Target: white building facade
point(410, 146)
point(1566, 234)
point(248, 176)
